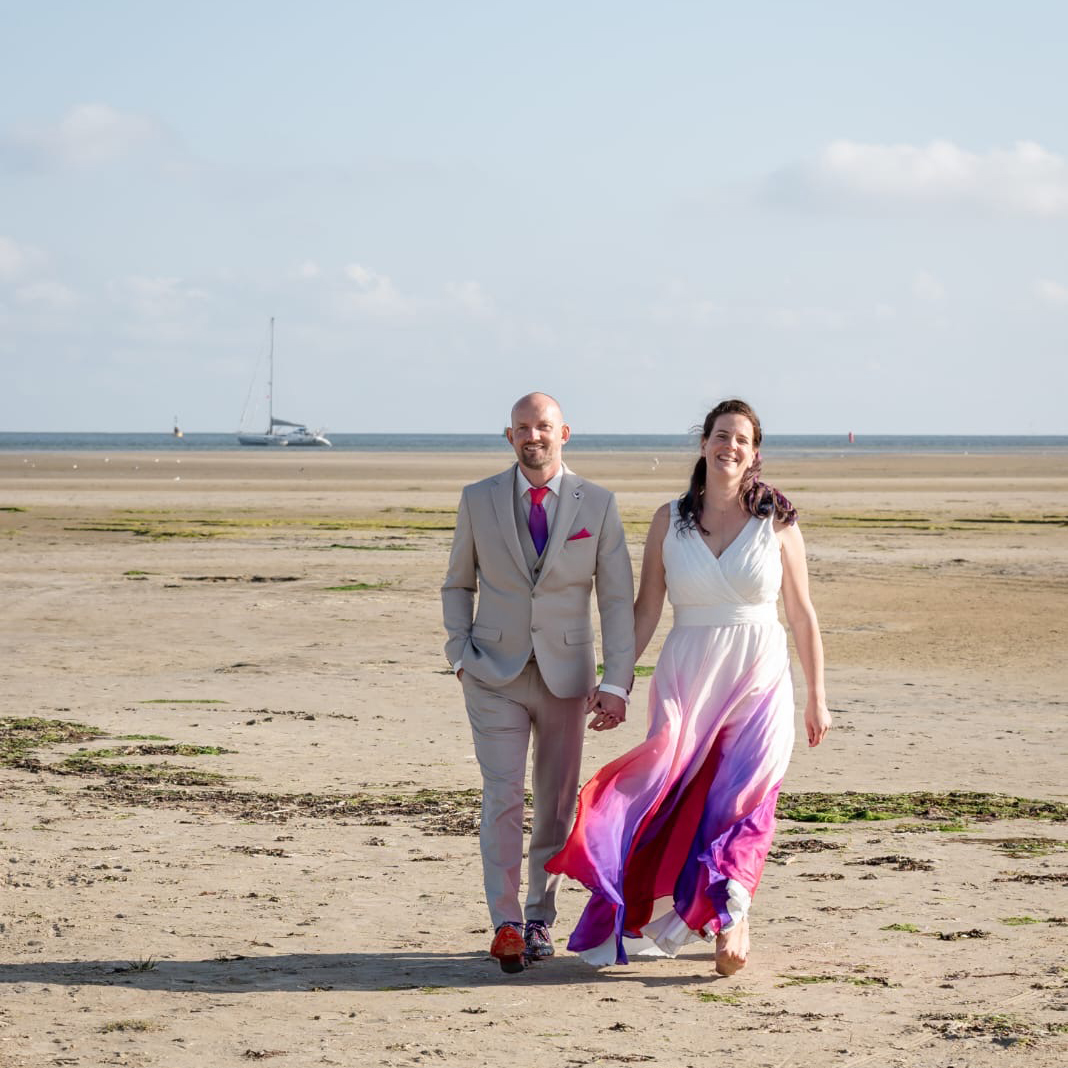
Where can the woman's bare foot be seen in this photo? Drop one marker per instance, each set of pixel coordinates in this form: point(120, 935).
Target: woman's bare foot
point(732, 948)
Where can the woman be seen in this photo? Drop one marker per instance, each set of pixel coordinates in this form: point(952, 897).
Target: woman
point(671, 837)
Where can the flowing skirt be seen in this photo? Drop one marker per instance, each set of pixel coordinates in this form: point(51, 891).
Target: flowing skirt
point(671, 837)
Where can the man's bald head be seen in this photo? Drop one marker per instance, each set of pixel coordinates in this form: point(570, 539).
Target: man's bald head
point(541, 402)
point(538, 434)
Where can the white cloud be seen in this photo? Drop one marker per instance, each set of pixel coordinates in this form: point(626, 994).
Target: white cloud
point(677, 306)
point(87, 135)
point(471, 297)
point(18, 261)
point(373, 292)
point(52, 295)
point(1026, 179)
point(156, 298)
point(1052, 292)
point(927, 288)
point(307, 269)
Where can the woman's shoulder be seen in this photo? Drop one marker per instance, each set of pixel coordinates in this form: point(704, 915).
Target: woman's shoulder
point(662, 519)
point(785, 529)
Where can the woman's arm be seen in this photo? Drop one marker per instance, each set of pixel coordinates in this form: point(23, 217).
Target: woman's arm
point(653, 585)
point(806, 630)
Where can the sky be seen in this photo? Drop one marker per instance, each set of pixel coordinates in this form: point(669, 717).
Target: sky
point(852, 214)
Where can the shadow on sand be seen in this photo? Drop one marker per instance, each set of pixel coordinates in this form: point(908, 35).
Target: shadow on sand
point(388, 971)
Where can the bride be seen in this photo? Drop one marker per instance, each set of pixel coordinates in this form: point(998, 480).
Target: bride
point(671, 837)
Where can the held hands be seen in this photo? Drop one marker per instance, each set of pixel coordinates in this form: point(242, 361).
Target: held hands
point(817, 720)
point(609, 711)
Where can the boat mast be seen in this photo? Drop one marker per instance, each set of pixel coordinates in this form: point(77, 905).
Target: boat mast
point(270, 383)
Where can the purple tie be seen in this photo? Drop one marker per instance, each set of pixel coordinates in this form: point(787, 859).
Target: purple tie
point(539, 521)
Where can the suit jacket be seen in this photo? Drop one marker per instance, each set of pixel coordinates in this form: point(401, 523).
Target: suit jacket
point(498, 609)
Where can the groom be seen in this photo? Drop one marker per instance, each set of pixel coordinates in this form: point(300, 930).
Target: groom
point(530, 545)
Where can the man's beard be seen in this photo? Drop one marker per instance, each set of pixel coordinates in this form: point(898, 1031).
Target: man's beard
point(537, 458)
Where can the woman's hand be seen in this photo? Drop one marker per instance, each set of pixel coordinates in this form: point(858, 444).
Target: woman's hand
point(817, 720)
point(806, 630)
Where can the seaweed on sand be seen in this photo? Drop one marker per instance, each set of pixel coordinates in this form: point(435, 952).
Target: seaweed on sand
point(21, 736)
point(953, 804)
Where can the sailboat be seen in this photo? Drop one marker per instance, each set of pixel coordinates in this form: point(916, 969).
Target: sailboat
point(291, 433)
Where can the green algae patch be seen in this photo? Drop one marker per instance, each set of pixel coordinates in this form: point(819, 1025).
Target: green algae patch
point(21, 736)
point(908, 928)
point(1017, 848)
point(953, 805)
point(183, 701)
point(177, 749)
point(91, 764)
point(144, 532)
point(707, 997)
point(447, 812)
point(457, 812)
point(348, 586)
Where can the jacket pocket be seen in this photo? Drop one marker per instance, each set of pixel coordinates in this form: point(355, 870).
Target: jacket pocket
point(485, 634)
point(581, 636)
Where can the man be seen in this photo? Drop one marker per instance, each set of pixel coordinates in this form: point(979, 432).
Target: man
point(531, 543)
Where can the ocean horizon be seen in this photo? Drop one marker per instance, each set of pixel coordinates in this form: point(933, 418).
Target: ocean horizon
point(774, 444)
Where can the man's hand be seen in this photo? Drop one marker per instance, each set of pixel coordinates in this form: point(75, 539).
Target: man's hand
point(460, 673)
point(609, 712)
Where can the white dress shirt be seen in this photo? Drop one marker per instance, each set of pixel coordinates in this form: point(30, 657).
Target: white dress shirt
point(523, 486)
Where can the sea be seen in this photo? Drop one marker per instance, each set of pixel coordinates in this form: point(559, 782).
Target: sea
point(783, 445)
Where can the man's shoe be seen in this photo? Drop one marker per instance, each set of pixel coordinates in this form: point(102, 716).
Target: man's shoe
point(508, 947)
point(538, 941)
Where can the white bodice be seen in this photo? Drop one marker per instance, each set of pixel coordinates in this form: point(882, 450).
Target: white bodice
point(740, 586)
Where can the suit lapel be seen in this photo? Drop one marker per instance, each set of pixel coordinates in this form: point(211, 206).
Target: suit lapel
point(567, 507)
point(504, 507)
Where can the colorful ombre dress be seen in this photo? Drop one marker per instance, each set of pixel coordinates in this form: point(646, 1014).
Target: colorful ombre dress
point(671, 837)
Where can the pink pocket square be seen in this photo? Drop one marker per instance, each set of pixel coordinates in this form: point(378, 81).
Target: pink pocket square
point(583, 533)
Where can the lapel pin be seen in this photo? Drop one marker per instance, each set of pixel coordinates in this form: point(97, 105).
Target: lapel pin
point(578, 495)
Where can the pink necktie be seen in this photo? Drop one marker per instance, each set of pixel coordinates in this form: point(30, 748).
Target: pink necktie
point(539, 521)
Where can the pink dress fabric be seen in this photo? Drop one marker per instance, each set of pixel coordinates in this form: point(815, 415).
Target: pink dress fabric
point(671, 837)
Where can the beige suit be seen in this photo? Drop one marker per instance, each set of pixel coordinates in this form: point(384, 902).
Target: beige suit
point(523, 628)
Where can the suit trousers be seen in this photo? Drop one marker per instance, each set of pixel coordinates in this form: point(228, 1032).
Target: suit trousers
point(502, 722)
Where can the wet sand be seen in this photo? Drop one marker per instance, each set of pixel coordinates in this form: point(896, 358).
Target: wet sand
point(272, 620)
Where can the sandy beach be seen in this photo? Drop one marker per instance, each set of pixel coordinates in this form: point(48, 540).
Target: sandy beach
point(240, 806)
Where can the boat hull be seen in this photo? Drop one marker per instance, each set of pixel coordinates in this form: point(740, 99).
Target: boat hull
point(284, 440)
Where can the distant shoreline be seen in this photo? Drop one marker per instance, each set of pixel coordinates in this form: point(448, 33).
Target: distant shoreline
point(775, 445)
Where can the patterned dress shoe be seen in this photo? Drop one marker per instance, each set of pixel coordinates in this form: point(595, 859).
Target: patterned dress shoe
point(538, 940)
point(508, 947)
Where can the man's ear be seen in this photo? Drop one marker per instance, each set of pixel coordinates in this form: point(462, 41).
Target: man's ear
point(565, 434)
